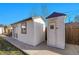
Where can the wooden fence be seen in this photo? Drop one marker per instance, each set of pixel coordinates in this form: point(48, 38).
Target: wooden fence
point(72, 33)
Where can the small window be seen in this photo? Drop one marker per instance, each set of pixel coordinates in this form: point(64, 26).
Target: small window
point(23, 28)
point(51, 26)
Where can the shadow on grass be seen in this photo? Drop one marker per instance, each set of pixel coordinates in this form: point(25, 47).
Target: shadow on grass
point(9, 49)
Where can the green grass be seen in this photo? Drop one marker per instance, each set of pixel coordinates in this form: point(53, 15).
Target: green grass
point(8, 49)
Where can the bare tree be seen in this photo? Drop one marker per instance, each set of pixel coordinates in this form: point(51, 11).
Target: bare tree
point(76, 19)
point(44, 9)
point(33, 11)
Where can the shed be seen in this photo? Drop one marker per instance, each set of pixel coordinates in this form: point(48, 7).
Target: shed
point(30, 31)
point(56, 30)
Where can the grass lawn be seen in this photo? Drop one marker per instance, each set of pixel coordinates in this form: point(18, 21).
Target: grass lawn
point(8, 49)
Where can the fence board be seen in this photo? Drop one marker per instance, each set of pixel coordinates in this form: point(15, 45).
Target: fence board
point(72, 33)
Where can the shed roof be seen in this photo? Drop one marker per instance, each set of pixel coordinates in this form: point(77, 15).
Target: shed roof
point(55, 14)
point(30, 18)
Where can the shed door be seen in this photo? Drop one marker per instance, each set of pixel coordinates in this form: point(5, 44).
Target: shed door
point(51, 34)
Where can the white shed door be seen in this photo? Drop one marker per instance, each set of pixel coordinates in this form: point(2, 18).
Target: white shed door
point(51, 35)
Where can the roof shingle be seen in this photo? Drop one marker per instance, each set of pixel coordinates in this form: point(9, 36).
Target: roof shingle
point(55, 14)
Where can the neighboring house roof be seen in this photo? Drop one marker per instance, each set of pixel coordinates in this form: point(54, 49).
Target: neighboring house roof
point(55, 14)
point(1, 25)
point(30, 18)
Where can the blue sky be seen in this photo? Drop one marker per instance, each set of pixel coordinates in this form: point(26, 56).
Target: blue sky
point(10, 12)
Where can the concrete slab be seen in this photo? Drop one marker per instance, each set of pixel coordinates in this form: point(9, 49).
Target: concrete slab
point(43, 49)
